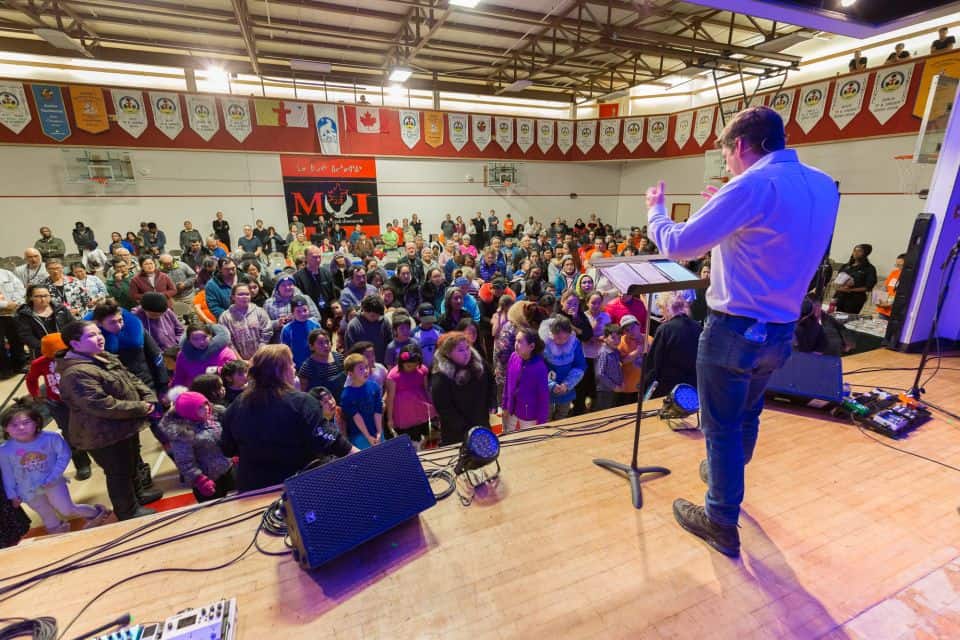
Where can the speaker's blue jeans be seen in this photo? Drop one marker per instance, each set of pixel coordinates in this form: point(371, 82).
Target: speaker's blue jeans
point(732, 375)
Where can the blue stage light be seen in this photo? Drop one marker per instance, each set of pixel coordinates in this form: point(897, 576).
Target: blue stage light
point(480, 447)
point(681, 403)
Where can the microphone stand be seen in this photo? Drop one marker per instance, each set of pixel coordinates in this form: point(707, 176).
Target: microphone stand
point(916, 390)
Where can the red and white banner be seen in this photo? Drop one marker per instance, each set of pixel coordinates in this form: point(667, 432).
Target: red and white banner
point(683, 129)
point(812, 104)
point(130, 110)
point(545, 135)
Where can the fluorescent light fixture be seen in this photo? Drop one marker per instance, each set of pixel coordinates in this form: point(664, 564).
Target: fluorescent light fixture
point(218, 79)
point(397, 90)
point(60, 40)
point(469, 4)
point(400, 74)
point(847, 3)
point(519, 85)
point(309, 65)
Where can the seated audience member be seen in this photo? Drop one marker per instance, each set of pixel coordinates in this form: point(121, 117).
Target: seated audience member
point(151, 279)
point(890, 285)
point(462, 388)
point(944, 42)
point(216, 248)
point(673, 355)
point(95, 288)
point(406, 288)
point(856, 280)
point(407, 400)
point(632, 349)
point(858, 62)
point(159, 320)
point(564, 356)
point(899, 53)
point(118, 284)
point(193, 430)
point(208, 268)
point(370, 326)
point(32, 271)
point(154, 240)
point(183, 277)
point(234, 376)
point(608, 369)
point(249, 243)
point(324, 367)
point(526, 390)
point(274, 429)
point(248, 324)
point(39, 316)
point(219, 288)
point(65, 290)
point(295, 333)
point(361, 403)
point(202, 347)
point(356, 289)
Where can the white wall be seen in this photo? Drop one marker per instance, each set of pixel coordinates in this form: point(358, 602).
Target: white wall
point(872, 209)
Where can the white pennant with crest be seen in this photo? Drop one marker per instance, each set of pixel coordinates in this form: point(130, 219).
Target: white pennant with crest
point(130, 110)
point(544, 134)
point(410, 128)
point(236, 117)
point(565, 130)
point(586, 135)
point(328, 128)
point(782, 103)
point(703, 125)
point(504, 132)
point(481, 131)
point(166, 113)
point(14, 109)
point(890, 88)
point(727, 111)
point(457, 124)
point(524, 133)
point(202, 115)
point(812, 104)
point(632, 133)
point(848, 99)
point(657, 131)
point(682, 130)
point(609, 134)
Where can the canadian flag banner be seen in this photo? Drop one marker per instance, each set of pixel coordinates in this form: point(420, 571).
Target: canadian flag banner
point(367, 119)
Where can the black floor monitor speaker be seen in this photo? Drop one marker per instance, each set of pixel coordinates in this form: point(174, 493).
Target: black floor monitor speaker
point(340, 505)
point(808, 378)
point(908, 280)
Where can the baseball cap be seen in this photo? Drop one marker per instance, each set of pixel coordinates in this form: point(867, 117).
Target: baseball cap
point(461, 282)
point(628, 320)
point(499, 283)
point(298, 301)
point(426, 310)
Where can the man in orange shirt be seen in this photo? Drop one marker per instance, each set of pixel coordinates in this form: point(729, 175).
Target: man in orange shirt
point(893, 281)
point(508, 226)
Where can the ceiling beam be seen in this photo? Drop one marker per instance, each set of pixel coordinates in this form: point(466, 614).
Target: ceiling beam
point(249, 39)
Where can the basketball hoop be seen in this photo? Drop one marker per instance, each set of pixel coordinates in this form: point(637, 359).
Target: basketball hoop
point(100, 184)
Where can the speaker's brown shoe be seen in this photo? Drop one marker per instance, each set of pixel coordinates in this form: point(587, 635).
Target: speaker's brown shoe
point(693, 518)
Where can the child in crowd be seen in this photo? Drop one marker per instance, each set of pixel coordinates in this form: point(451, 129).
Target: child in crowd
point(500, 317)
point(336, 325)
point(194, 432)
point(361, 403)
point(45, 367)
point(324, 367)
point(160, 321)
point(608, 370)
point(33, 462)
point(234, 375)
point(212, 388)
point(409, 408)
point(370, 326)
point(469, 328)
point(296, 332)
point(632, 343)
point(402, 328)
point(332, 418)
point(427, 334)
point(526, 396)
point(565, 361)
point(376, 371)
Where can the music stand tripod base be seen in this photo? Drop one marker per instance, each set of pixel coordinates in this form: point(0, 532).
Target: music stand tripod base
point(633, 475)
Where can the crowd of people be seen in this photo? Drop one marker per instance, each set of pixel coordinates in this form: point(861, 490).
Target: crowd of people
point(247, 360)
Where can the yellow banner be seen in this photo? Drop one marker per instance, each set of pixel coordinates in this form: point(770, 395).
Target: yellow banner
point(433, 128)
point(89, 109)
point(947, 63)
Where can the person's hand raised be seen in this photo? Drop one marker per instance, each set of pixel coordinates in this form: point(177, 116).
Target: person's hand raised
point(709, 191)
point(655, 194)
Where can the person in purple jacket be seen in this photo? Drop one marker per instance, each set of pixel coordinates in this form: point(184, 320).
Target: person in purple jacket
point(526, 394)
point(159, 320)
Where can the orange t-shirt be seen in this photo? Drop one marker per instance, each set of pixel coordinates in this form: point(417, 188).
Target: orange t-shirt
point(631, 370)
point(893, 281)
point(508, 226)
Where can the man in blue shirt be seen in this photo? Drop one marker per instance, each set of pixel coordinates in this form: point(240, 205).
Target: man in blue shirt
point(768, 229)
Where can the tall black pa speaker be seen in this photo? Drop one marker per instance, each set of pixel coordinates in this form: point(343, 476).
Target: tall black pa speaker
point(808, 378)
point(908, 280)
point(334, 508)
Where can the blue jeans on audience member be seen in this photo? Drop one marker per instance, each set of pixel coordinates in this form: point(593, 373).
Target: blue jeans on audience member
point(732, 375)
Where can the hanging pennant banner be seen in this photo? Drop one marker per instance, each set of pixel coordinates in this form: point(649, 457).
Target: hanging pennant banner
point(280, 113)
point(166, 113)
point(433, 128)
point(848, 99)
point(89, 109)
point(367, 119)
point(202, 115)
point(727, 112)
point(130, 110)
point(565, 135)
point(890, 88)
point(632, 133)
point(458, 130)
point(410, 128)
point(586, 135)
point(504, 132)
point(51, 111)
point(609, 134)
point(544, 135)
point(812, 104)
point(236, 117)
point(682, 130)
point(14, 110)
point(481, 131)
point(782, 103)
point(703, 125)
point(657, 131)
point(328, 128)
point(524, 133)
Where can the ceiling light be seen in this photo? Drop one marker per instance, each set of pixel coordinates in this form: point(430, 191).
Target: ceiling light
point(847, 3)
point(60, 40)
point(519, 85)
point(218, 78)
point(309, 65)
point(469, 4)
point(400, 74)
point(397, 90)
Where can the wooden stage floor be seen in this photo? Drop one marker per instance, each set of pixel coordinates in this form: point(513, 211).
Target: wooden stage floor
point(842, 538)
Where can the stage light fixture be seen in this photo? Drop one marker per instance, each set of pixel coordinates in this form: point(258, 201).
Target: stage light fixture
point(400, 74)
point(681, 403)
point(480, 447)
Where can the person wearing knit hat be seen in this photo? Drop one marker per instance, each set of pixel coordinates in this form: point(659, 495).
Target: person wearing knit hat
point(194, 433)
point(855, 280)
point(154, 302)
point(160, 321)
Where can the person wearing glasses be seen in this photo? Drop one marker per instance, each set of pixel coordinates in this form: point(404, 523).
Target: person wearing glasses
point(39, 316)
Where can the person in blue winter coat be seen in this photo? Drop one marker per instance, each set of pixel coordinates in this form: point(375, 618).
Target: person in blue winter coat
point(565, 362)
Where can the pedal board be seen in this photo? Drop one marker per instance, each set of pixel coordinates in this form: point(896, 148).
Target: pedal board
point(216, 621)
point(887, 414)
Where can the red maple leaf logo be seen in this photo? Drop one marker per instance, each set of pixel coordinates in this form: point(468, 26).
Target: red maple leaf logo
point(367, 119)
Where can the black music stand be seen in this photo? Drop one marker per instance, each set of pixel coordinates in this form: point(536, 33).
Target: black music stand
point(654, 274)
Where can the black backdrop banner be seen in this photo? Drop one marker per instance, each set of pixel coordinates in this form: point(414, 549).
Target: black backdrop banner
point(341, 190)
